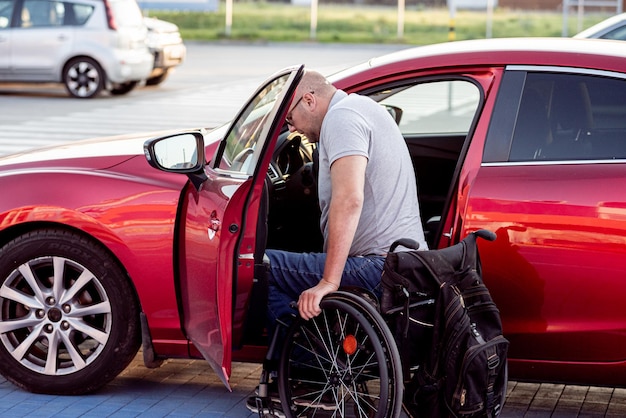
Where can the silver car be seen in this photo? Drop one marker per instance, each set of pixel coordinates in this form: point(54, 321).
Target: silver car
point(612, 28)
point(166, 45)
point(88, 45)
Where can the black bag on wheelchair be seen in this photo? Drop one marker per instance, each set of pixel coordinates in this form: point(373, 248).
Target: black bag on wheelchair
point(448, 331)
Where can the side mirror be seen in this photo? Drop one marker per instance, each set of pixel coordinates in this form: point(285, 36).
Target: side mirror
point(180, 153)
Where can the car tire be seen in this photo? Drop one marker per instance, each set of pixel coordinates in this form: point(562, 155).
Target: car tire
point(156, 80)
point(83, 78)
point(123, 88)
point(69, 317)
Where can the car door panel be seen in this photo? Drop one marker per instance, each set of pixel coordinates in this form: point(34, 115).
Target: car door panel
point(5, 52)
point(39, 42)
point(218, 221)
point(28, 61)
point(552, 189)
point(6, 33)
point(540, 269)
point(203, 237)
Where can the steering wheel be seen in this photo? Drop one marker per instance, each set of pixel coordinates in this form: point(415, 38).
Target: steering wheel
point(241, 158)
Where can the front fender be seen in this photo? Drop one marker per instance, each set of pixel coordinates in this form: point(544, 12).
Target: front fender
point(133, 217)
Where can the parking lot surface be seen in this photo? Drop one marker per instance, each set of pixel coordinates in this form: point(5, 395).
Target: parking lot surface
point(189, 388)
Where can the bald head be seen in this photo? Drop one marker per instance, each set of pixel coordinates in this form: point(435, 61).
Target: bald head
point(312, 81)
point(311, 101)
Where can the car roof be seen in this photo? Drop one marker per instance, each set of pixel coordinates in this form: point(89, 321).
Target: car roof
point(597, 54)
point(603, 27)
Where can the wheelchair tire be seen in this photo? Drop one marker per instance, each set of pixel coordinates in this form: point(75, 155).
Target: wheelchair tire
point(344, 362)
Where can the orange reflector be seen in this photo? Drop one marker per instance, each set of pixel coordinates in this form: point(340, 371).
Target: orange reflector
point(349, 344)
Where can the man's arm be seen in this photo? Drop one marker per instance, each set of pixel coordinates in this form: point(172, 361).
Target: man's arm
point(347, 180)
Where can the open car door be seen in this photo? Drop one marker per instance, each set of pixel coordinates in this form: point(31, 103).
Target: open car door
point(218, 220)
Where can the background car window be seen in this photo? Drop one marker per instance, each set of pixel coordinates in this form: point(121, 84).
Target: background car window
point(80, 14)
point(42, 13)
point(440, 107)
point(570, 117)
point(6, 11)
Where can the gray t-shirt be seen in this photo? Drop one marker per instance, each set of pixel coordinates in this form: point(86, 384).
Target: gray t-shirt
point(357, 125)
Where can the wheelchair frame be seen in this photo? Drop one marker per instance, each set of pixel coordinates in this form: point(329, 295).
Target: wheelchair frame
point(344, 362)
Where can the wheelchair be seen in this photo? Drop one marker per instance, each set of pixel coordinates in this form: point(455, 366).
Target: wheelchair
point(345, 362)
point(342, 363)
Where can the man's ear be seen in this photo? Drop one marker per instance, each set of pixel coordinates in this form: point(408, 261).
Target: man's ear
point(309, 100)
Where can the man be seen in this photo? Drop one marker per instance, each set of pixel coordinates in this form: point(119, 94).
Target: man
point(367, 195)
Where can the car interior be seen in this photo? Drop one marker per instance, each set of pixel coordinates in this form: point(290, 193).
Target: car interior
point(290, 205)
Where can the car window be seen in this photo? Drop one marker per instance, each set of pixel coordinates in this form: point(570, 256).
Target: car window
point(570, 117)
point(78, 14)
point(441, 107)
point(239, 153)
point(42, 13)
point(6, 11)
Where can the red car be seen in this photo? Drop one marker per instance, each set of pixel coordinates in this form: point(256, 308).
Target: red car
point(100, 253)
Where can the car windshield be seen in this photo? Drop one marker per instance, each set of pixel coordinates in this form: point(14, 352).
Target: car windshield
point(618, 34)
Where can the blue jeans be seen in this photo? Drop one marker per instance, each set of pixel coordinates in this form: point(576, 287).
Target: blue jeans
point(292, 273)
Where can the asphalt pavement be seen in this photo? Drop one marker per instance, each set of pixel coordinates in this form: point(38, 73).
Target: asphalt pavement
point(189, 388)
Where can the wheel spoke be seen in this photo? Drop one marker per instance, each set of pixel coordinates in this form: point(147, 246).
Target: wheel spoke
point(15, 324)
point(53, 350)
point(58, 264)
point(315, 342)
point(84, 278)
point(21, 350)
point(72, 73)
point(92, 73)
point(21, 298)
point(28, 275)
point(81, 326)
point(82, 91)
point(96, 309)
point(77, 358)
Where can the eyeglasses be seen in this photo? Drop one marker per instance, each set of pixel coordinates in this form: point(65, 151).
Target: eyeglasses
point(288, 118)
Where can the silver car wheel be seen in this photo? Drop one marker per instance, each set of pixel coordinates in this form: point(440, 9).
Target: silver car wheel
point(56, 317)
point(69, 315)
point(83, 78)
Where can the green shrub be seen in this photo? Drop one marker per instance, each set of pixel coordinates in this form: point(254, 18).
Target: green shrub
point(280, 22)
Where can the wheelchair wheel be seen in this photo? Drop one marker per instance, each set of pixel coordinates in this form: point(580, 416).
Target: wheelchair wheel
point(342, 363)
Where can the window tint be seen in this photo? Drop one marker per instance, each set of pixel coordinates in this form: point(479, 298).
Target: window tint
point(570, 117)
point(42, 13)
point(79, 13)
point(6, 10)
point(442, 107)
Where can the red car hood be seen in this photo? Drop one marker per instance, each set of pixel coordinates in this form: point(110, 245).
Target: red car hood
point(96, 153)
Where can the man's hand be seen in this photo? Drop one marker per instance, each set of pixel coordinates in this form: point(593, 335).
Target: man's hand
point(309, 301)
